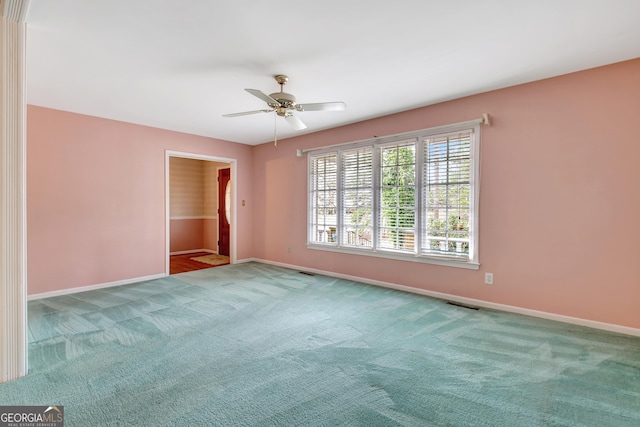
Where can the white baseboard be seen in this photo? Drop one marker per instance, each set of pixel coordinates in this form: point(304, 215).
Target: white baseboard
point(93, 287)
point(111, 284)
point(468, 301)
point(193, 251)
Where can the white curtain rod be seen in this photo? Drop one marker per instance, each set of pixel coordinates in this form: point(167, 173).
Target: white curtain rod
point(484, 120)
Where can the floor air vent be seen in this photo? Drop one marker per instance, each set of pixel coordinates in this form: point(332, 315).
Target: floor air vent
point(304, 272)
point(459, 304)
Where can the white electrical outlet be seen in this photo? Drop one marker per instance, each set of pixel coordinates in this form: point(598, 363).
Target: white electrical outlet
point(488, 278)
point(289, 250)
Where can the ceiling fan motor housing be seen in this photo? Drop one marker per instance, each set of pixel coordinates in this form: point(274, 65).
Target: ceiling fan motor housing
point(286, 100)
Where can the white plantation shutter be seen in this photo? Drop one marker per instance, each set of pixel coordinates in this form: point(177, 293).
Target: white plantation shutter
point(446, 194)
point(323, 198)
point(357, 197)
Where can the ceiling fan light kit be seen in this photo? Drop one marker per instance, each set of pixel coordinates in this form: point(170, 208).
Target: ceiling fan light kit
point(284, 104)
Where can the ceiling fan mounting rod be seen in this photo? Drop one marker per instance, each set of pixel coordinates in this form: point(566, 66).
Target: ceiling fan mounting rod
point(282, 80)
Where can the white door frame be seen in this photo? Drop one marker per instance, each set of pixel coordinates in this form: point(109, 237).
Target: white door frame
point(234, 188)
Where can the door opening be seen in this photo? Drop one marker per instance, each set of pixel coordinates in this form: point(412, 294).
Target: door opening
point(200, 210)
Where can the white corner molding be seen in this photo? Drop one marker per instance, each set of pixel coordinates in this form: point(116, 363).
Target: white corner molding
point(13, 212)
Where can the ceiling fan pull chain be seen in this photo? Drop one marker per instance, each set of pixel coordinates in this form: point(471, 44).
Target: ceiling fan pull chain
point(275, 130)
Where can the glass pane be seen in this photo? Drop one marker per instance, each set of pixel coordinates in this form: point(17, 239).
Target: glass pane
point(227, 202)
point(323, 199)
point(357, 197)
point(447, 194)
point(397, 196)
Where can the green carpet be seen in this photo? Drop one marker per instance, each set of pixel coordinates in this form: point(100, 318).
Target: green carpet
point(253, 344)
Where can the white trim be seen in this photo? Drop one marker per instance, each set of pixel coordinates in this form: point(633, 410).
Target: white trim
point(193, 251)
point(94, 287)
point(195, 156)
point(609, 327)
point(180, 218)
point(399, 256)
point(233, 165)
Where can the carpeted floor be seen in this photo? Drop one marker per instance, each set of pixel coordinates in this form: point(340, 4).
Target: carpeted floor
point(252, 344)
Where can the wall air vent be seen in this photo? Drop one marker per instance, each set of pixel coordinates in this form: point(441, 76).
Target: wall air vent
point(459, 304)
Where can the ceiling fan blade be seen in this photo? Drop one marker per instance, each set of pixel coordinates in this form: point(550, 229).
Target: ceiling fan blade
point(259, 94)
point(322, 106)
point(295, 122)
point(246, 113)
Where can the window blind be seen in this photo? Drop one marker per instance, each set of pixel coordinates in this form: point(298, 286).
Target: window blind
point(357, 197)
point(397, 196)
point(323, 195)
point(446, 194)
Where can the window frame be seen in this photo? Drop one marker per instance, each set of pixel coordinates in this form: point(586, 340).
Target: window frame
point(376, 144)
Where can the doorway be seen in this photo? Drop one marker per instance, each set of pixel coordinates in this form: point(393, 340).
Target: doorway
point(194, 211)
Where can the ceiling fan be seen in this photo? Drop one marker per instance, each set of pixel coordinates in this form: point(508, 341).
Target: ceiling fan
point(284, 104)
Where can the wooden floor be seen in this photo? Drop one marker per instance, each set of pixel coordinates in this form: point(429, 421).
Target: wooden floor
point(184, 263)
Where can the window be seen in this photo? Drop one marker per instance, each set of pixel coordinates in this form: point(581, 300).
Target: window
point(323, 198)
point(411, 196)
point(357, 197)
point(446, 194)
point(397, 213)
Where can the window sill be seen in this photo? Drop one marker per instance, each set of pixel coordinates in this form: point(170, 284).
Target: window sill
point(398, 256)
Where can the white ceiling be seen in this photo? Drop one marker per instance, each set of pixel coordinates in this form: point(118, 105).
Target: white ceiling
point(180, 65)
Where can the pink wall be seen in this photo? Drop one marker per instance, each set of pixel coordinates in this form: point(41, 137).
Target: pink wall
point(96, 197)
point(559, 204)
point(186, 235)
point(559, 201)
point(210, 233)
